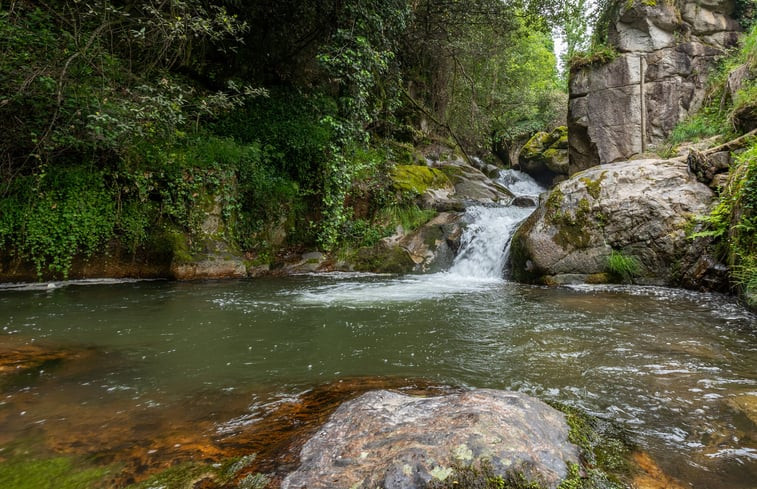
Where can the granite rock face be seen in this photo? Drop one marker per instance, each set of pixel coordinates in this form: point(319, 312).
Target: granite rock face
point(674, 45)
point(394, 441)
point(640, 209)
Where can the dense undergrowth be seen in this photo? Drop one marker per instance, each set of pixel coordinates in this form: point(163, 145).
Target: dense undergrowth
point(122, 124)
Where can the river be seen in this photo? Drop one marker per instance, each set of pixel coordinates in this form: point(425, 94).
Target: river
point(161, 370)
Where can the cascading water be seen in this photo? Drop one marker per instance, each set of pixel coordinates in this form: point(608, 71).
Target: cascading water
point(483, 247)
point(479, 263)
point(485, 244)
point(520, 183)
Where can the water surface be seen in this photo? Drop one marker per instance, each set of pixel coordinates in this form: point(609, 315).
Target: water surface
point(661, 362)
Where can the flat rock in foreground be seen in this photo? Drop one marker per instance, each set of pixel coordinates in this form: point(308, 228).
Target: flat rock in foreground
point(394, 441)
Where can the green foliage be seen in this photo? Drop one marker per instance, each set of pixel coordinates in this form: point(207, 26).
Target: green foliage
point(151, 105)
point(58, 215)
point(410, 217)
point(290, 126)
point(743, 194)
point(734, 222)
point(706, 123)
point(745, 12)
point(622, 266)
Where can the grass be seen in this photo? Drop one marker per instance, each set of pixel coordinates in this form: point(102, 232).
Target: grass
point(622, 266)
point(410, 217)
point(599, 54)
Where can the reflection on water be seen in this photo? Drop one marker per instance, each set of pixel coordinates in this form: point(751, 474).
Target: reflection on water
point(186, 367)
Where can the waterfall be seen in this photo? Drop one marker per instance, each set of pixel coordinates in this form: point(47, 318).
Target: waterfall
point(485, 243)
point(483, 246)
point(478, 266)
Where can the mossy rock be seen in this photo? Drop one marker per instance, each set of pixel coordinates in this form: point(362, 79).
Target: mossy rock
point(544, 141)
point(417, 179)
point(382, 259)
point(559, 136)
point(535, 146)
point(173, 243)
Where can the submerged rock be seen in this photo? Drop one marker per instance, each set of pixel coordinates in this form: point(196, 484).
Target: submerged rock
point(390, 440)
point(631, 215)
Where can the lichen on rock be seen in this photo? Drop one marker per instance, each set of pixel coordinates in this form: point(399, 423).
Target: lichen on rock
point(636, 209)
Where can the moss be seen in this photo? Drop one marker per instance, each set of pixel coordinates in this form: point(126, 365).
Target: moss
point(481, 476)
point(188, 475)
point(594, 187)
point(598, 278)
point(381, 259)
point(562, 140)
point(571, 227)
point(598, 55)
point(52, 473)
point(178, 477)
point(536, 145)
point(522, 269)
point(584, 207)
point(417, 179)
point(554, 201)
point(605, 450)
point(179, 245)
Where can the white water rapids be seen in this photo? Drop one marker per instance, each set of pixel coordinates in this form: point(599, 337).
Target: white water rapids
point(478, 265)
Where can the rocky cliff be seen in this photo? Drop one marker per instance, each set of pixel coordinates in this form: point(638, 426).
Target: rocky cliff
point(665, 51)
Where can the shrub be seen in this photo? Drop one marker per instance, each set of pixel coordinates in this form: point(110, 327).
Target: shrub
point(54, 216)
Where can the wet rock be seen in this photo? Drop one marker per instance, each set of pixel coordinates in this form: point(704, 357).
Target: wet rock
point(210, 267)
point(207, 255)
point(309, 262)
point(524, 201)
point(638, 209)
point(386, 439)
point(650, 476)
point(487, 169)
point(430, 248)
point(449, 185)
point(605, 108)
point(384, 257)
point(433, 246)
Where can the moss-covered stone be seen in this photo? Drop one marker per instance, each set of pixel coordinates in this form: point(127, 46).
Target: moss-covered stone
point(417, 179)
point(382, 259)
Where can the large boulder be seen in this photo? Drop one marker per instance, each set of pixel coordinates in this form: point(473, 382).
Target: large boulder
point(631, 215)
point(394, 441)
point(675, 45)
point(449, 185)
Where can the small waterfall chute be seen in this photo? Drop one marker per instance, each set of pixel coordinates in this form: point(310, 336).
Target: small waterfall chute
point(483, 245)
